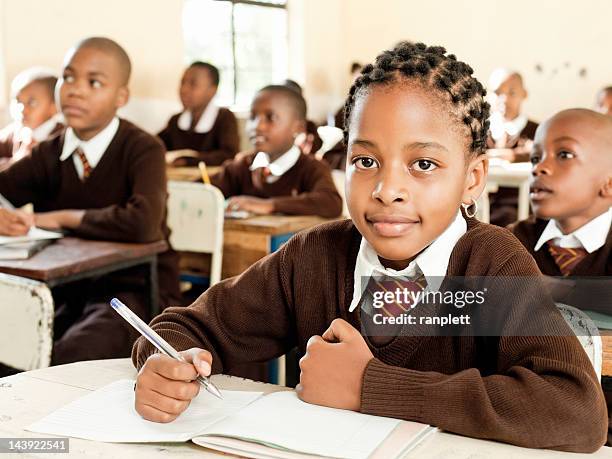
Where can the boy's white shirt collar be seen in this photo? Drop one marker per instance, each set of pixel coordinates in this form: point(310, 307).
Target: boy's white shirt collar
point(499, 125)
point(591, 236)
point(279, 166)
point(93, 148)
point(206, 121)
point(432, 262)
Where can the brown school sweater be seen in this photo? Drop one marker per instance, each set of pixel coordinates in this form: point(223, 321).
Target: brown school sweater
point(305, 189)
point(215, 146)
point(533, 391)
point(9, 146)
point(124, 197)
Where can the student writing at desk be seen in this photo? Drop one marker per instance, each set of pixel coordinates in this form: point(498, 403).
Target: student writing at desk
point(570, 234)
point(277, 176)
point(416, 142)
point(103, 178)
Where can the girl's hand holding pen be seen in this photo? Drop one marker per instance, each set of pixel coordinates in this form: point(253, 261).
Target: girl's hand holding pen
point(166, 386)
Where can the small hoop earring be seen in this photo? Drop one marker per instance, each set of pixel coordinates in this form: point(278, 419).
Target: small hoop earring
point(466, 208)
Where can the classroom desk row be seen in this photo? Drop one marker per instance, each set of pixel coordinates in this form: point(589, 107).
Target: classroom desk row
point(27, 397)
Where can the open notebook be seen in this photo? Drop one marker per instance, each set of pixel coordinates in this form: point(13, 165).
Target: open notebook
point(35, 234)
point(248, 424)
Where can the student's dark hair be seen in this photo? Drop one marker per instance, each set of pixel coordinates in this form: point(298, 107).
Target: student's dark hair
point(435, 70)
point(355, 66)
point(292, 84)
point(606, 89)
point(296, 99)
point(213, 71)
point(112, 48)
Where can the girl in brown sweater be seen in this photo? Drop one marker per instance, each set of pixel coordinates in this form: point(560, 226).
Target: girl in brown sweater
point(416, 130)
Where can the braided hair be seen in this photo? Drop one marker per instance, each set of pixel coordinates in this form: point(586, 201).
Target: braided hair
point(434, 69)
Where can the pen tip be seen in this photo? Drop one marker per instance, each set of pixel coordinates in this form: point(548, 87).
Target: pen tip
point(213, 390)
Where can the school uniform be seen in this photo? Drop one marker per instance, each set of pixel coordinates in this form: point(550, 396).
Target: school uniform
point(17, 141)
point(215, 135)
point(533, 391)
point(297, 184)
point(584, 253)
point(118, 178)
point(518, 134)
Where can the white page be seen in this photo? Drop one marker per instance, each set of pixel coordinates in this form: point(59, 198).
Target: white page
point(283, 420)
point(35, 234)
point(108, 415)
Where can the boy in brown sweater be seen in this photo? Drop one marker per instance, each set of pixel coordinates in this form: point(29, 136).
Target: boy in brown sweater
point(416, 133)
point(570, 234)
point(277, 176)
point(103, 178)
point(35, 113)
point(203, 126)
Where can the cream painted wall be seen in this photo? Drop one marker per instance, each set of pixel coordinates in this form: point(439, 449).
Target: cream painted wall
point(562, 36)
point(149, 30)
point(326, 35)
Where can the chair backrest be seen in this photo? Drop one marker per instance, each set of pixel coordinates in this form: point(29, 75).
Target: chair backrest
point(339, 177)
point(195, 216)
point(26, 323)
point(587, 333)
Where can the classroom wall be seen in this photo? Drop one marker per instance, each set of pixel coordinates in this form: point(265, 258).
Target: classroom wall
point(326, 35)
point(562, 37)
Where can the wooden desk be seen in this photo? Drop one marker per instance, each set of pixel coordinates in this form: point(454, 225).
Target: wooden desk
point(27, 397)
point(189, 174)
point(70, 259)
point(515, 175)
point(246, 241)
point(606, 341)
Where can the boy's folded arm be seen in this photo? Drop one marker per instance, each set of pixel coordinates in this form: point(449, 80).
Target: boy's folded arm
point(239, 320)
point(321, 199)
point(556, 405)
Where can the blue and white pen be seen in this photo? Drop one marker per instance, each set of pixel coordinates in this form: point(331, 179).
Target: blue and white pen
point(158, 341)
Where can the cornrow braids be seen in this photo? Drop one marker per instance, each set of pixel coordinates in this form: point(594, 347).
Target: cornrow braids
point(432, 67)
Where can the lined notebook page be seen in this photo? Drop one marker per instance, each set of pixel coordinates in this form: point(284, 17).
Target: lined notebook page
point(108, 415)
point(281, 420)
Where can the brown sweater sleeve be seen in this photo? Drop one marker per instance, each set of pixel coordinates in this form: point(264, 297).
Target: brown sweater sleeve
point(26, 180)
point(319, 197)
point(225, 321)
point(539, 380)
point(139, 218)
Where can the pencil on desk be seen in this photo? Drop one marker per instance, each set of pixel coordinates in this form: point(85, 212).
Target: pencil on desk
point(204, 172)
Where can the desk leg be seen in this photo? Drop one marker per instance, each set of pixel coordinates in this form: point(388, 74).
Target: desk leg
point(523, 201)
point(277, 369)
point(152, 287)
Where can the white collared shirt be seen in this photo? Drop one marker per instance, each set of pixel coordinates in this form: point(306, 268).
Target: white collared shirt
point(204, 124)
point(432, 262)
point(279, 166)
point(93, 148)
point(512, 128)
point(590, 237)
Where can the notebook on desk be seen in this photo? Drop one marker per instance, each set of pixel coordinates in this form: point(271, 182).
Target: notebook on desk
point(22, 250)
point(249, 424)
point(35, 234)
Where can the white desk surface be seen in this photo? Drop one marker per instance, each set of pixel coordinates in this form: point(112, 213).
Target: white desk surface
point(27, 397)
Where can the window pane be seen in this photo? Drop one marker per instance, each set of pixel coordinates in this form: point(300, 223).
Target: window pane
point(261, 48)
point(207, 31)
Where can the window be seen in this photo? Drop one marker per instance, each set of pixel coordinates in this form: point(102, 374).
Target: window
point(246, 40)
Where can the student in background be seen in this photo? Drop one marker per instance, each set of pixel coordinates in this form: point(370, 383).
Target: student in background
point(105, 179)
point(570, 234)
point(510, 137)
point(277, 176)
point(34, 113)
point(604, 101)
point(202, 126)
point(416, 142)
